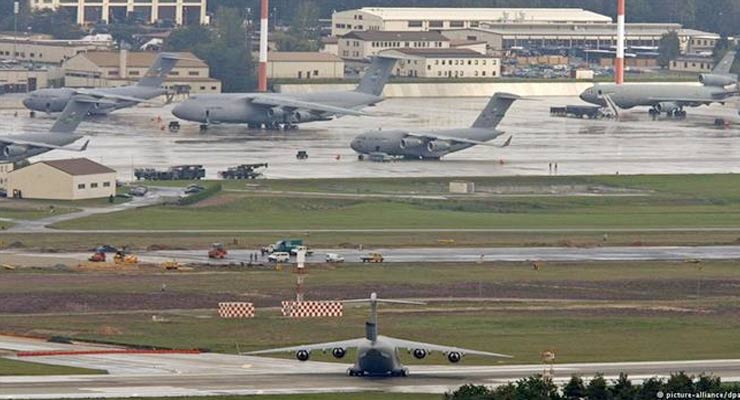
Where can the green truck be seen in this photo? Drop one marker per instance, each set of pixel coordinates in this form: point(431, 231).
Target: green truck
point(290, 246)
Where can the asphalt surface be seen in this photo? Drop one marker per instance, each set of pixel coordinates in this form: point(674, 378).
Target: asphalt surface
point(134, 138)
point(212, 374)
point(418, 255)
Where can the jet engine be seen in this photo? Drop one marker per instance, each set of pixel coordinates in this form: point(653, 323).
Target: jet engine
point(667, 107)
point(14, 150)
point(410, 143)
point(716, 80)
point(302, 355)
point(419, 353)
point(299, 116)
point(276, 113)
point(454, 357)
point(338, 352)
point(437, 145)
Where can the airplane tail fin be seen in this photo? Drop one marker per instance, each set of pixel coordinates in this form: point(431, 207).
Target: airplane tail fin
point(376, 76)
point(495, 111)
point(73, 114)
point(724, 66)
point(371, 326)
point(157, 73)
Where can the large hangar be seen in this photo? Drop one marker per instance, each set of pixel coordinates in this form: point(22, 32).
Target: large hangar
point(72, 179)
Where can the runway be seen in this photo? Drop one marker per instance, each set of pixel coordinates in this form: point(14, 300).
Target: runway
point(134, 137)
point(460, 255)
point(220, 374)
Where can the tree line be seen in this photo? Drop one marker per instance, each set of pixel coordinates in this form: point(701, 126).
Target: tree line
point(538, 387)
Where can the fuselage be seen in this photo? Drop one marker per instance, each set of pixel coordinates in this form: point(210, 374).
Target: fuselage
point(378, 358)
point(398, 143)
point(646, 94)
point(55, 100)
point(235, 108)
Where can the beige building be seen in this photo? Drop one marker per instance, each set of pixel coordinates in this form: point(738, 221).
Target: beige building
point(304, 65)
point(182, 12)
point(424, 19)
point(114, 68)
point(19, 78)
point(73, 179)
point(361, 45)
point(444, 63)
point(692, 64)
point(47, 51)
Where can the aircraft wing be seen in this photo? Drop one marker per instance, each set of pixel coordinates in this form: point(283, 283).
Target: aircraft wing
point(432, 136)
point(9, 140)
point(73, 114)
point(344, 344)
point(689, 100)
point(724, 66)
point(105, 95)
point(411, 346)
point(275, 101)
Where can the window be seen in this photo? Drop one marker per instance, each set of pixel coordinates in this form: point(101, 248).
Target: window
point(93, 185)
point(483, 73)
point(436, 24)
point(175, 73)
point(457, 24)
point(193, 73)
point(316, 72)
point(133, 73)
point(106, 184)
point(81, 186)
point(415, 24)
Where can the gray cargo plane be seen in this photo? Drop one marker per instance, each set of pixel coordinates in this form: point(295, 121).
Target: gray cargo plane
point(148, 87)
point(18, 148)
point(432, 145)
point(671, 99)
point(280, 109)
point(378, 355)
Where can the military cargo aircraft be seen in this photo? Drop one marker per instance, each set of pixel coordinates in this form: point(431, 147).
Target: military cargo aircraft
point(432, 145)
point(670, 99)
point(378, 355)
point(276, 110)
point(55, 100)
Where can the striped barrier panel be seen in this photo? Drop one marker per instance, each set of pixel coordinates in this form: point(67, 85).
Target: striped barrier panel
point(235, 310)
point(312, 309)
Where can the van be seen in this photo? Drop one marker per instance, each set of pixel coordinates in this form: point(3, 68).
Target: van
point(278, 257)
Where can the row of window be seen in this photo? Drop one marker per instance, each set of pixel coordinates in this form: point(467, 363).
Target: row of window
point(441, 24)
point(21, 54)
point(137, 73)
point(462, 62)
point(406, 44)
point(93, 185)
point(693, 65)
point(349, 26)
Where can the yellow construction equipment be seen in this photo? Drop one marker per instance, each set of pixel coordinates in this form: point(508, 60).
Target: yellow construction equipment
point(171, 265)
point(121, 258)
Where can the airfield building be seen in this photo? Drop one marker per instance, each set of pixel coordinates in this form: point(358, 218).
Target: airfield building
point(304, 65)
point(46, 51)
point(361, 45)
point(73, 179)
point(446, 63)
point(181, 12)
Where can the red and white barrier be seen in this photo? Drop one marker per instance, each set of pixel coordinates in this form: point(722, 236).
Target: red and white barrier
point(235, 310)
point(312, 309)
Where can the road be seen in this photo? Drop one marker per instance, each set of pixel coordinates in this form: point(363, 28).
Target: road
point(212, 374)
point(417, 255)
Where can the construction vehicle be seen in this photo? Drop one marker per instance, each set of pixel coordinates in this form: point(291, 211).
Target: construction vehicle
point(286, 245)
point(373, 258)
point(171, 265)
point(123, 258)
point(179, 172)
point(217, 251)
point(244, 171)
point(98, 256)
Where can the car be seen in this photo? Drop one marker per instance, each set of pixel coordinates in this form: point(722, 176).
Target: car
point(139, 191)
point(334, 258)
point(278, 257)
point(294, 251)
point(193, 189)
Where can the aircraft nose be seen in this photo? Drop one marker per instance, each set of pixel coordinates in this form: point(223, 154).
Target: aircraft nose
point(186, 110)
point(28, 102)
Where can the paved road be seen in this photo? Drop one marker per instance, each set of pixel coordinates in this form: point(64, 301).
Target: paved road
point(416, 255)
point(210, 374)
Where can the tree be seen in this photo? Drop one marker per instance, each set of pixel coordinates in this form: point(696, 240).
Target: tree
point(469, 392)
point(669, 48)
point(649, 389)
point(574, 389)
point(708, 383)
point(536, 388)
point(623, 389)
point(598, 389)
point(504, 392)
point(679, 383)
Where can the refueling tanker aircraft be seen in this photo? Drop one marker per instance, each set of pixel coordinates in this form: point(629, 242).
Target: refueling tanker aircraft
point(18, 148)
point(670, 99)
point(276, 110)
point(432, 145)
point(378, 355)
point(148, 87)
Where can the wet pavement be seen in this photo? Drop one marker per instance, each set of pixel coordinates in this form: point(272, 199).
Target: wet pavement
point(636, 144)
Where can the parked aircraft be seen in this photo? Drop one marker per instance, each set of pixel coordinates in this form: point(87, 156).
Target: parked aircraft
point(432, 145)
point(55, 100)
point(18, 148)
point(378, 355)
point(274, 110)
point(671, 99)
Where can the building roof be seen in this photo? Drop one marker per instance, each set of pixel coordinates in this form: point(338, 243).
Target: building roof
point(606, 30)
point(411, 36)
point(463, 42)
point(486, 14)
point(78, 166)
point(438, 53)
point(138, 59)
point(301, 56)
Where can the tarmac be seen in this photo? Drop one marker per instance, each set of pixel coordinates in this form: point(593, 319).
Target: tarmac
point(430, 255)
point(135, 137)
point(135, 375)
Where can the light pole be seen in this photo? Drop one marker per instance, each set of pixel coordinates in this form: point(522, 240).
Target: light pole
point(16, 10)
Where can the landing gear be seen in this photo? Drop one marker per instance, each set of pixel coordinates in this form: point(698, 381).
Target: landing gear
point(253, 126)
point(400, 372)
point(203, 127)
point(354, 372)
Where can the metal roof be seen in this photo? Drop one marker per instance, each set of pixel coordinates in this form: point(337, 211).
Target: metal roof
point(437, 53)
point(411, 36)
point(79, 166)
point(486, 14)
point(301, 56)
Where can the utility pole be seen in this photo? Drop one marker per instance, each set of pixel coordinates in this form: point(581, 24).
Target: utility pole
point(16, 10)
point(619, 65)
point(264, 32)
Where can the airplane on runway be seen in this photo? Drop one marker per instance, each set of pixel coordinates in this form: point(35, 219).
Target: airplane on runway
point(287, 110)
point(378, 355)
point(432, 145)
point(18, 148)
point(56, 99)
point(671, 99)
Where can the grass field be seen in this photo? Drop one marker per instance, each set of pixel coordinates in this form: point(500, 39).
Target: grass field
point(616, 311)
point(663, 202)
point(15, 367)
point(327, 396)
